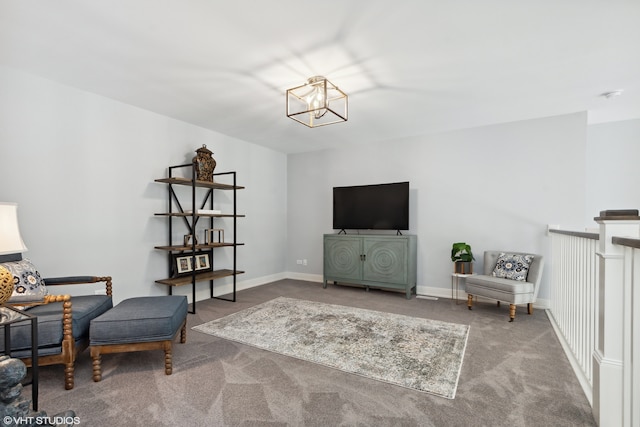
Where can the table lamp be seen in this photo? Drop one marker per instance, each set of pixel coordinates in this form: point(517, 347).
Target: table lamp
point(11, 246)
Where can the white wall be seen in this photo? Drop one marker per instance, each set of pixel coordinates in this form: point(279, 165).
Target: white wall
point(81, 167)
point(613, 150)
point(495, 187)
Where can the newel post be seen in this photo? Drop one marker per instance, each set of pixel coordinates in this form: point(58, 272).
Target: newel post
point(608, 366)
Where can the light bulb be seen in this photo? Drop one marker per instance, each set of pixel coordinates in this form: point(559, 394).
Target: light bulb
point(316, 99)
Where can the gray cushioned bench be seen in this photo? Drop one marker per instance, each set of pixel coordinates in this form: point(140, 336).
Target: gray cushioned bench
point(138, 324)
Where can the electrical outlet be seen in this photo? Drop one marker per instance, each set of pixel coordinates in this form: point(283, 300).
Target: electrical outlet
point(100, 292)
point(299, 261)
point(304, 262)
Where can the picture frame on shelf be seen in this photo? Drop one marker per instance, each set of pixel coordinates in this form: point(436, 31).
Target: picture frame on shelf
point(183, 263)
point(203, 261)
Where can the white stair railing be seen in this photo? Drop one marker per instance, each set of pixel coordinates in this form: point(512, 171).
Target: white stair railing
point(573, 299)
point(595, 311)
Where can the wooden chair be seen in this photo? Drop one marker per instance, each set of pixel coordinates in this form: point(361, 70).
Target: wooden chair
point(63, 324)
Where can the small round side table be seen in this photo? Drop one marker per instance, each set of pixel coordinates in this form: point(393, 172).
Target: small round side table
point(455, 279)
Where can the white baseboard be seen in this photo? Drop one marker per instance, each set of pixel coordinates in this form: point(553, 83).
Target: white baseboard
point(303, 276)
point(227, 288)
point(246, 284)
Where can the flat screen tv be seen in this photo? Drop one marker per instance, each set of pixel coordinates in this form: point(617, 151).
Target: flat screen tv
point(371, 207)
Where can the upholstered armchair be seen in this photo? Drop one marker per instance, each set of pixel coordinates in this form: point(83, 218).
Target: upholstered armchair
point(63, 320)
point(512, 277)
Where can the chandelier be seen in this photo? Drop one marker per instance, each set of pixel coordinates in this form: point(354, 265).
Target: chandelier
point(317, 103)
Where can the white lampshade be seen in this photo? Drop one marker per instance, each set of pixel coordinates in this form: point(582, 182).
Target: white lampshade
point(10, 239)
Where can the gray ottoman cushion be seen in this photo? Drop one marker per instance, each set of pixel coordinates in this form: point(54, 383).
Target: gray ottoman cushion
point(83, 309)
point(137, 320)
point(511, 291)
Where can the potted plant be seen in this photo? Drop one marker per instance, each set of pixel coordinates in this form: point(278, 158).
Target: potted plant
point(462, 256)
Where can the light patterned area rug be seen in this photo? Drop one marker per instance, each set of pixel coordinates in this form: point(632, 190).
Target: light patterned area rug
point(420, 354)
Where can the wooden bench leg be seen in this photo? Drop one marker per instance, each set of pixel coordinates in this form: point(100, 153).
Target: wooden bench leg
point(97, 368)
point(512, 312)
point(168, 358)
point(168, 349)
point(469, 301)
point(183, 333)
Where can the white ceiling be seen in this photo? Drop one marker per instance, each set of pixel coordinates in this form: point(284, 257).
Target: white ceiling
point(410, 67)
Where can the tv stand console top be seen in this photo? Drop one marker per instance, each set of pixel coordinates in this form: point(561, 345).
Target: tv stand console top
point(357, 233)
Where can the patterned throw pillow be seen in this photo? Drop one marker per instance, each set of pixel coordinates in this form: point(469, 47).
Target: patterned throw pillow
point(513, 266)
point(27, 283)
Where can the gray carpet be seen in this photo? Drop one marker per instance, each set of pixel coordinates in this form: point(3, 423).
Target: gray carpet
point(514, 374)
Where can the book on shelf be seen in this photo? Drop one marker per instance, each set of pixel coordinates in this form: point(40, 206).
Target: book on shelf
point(206, 211)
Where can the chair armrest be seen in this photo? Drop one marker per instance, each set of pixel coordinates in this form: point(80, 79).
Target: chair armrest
point(78, 280)
point(65, 299)
point(67, 320)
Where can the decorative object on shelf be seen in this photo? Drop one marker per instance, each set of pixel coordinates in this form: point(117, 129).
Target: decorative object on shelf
point(317, 103)
point(187, 239)
point(209, 236)
point(204, 211)
point(10, 244)
point(183, 263)
point(204, 164)
point(462, 256)
point(203, 262)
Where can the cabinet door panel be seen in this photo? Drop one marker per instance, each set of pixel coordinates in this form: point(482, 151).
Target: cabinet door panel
point(385, 260)
point(342, 258)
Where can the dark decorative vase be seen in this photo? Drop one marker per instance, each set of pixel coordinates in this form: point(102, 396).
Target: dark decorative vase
point(204, 164)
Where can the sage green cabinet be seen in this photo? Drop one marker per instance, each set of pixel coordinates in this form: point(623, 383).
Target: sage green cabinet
point(375, 261)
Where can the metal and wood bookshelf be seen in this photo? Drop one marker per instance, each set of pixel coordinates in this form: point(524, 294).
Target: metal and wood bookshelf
point(186, 208)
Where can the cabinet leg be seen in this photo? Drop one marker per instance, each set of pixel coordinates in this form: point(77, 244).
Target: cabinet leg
point(411, 290)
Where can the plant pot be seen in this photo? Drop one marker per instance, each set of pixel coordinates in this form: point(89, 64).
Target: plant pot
point(463, 267)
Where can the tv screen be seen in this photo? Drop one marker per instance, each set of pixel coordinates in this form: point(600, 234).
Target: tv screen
point(371, 207)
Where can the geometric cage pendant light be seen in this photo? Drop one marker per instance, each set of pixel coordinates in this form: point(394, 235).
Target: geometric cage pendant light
point(317, 103)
